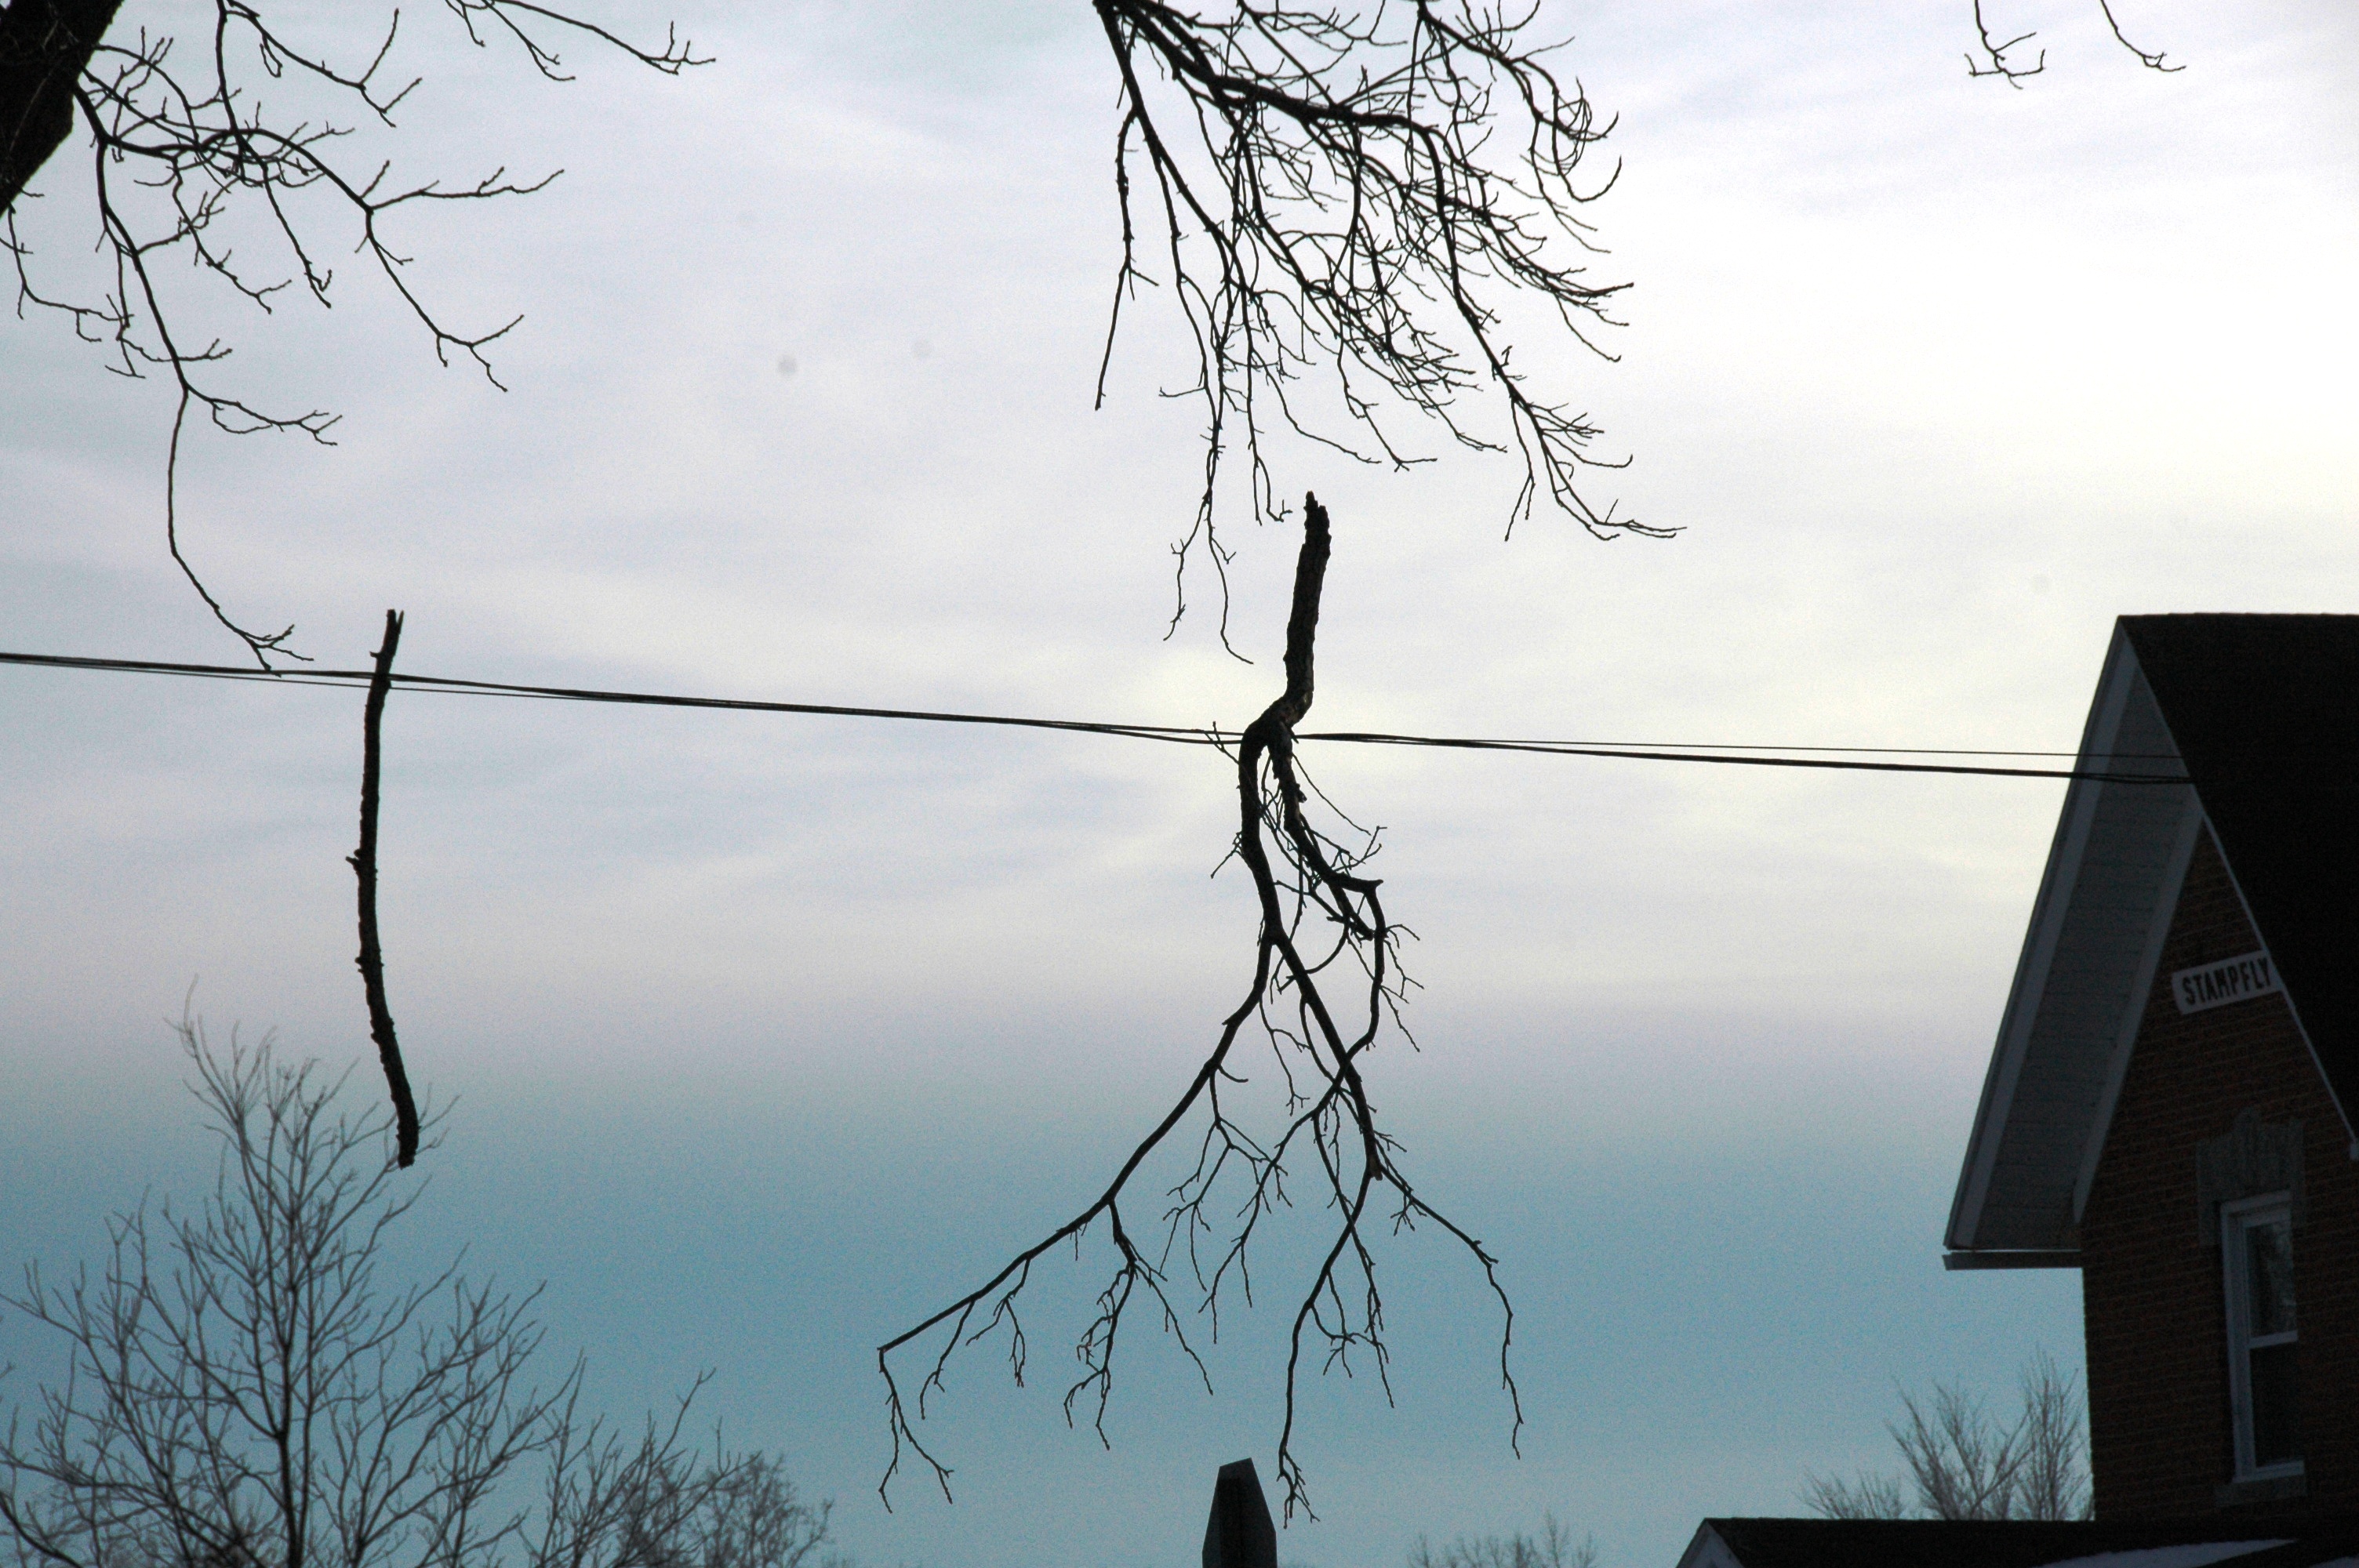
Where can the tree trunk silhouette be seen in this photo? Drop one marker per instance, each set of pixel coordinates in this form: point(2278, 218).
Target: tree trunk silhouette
point(44, 46)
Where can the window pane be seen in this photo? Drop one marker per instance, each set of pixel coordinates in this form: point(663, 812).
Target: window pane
point(2274, 1438)
point(2268, 1262)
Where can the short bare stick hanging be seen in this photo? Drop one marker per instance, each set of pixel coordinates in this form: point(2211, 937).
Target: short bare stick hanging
point(363, 863)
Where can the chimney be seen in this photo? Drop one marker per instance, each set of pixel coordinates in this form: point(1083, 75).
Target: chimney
point(1239, 1534)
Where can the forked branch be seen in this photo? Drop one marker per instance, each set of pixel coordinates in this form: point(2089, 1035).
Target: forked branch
point(1321, 925)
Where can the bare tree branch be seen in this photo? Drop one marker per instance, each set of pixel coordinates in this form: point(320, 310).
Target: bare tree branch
point(2152, 62)
point(363, 864)
point(1963, 1465)
point(1994, 62)
point(1871, 1496)
point(1325, 194)
point(1318, 919)
point(2053, 1482)
point(192, 140)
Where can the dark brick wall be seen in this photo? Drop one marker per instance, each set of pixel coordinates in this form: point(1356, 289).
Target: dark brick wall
point(2151, 1287)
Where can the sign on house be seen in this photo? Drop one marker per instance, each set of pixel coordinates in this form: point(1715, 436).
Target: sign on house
point(2230, 980)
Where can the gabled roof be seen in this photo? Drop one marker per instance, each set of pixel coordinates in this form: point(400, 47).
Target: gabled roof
point(2260, 713)
point(2316, 1542)
point(2266, 711)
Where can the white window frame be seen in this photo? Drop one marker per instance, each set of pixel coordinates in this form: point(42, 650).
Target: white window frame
point(2237, 1220)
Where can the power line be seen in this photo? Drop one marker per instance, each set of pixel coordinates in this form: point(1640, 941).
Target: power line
point(1576, 749)
point(1723, 753)
point(457, 687)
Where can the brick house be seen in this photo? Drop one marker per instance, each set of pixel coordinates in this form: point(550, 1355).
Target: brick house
point(2169, 1109)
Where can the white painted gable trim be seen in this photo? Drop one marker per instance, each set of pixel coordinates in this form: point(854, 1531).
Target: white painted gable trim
point(2120, 677)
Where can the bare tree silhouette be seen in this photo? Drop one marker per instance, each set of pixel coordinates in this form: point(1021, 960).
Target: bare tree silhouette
point(246, 1390)
point(1962, 1464)
point(1356, 191)
point(1552, 1547)
point(221, 131)
point(1321, 178)
point(1322, 927)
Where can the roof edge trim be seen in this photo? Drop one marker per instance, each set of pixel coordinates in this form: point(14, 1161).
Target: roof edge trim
point(2013, 1257)
point(2106, 708)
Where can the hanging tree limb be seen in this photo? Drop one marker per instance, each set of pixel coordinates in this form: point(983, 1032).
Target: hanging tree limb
point(227, 149)
point(1318, 919)
point(1355, 192)
point(363, 864)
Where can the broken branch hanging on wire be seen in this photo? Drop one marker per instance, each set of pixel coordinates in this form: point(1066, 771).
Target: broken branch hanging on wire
point(1318, 919)
point(363, 863)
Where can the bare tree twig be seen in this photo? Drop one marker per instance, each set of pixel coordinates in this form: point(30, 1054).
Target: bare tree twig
point(2152, 62)
point(1316, 915)
point(1995, 54)
point(1993, 62)
point(363, 864)
point(1326, 193)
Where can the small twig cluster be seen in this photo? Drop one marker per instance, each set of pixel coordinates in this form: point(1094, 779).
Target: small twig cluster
point(1322, 930)
point(202, 125)
point(1325, 192)
point(1994, 52)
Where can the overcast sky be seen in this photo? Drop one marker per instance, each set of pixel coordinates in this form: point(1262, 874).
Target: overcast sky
point(767, 1034)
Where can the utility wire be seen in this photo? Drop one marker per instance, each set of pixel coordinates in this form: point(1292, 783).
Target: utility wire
point(1718, 753)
